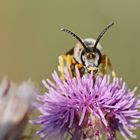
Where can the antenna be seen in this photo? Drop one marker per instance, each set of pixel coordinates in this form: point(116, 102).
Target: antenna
point(102, 33)
point(75, 36)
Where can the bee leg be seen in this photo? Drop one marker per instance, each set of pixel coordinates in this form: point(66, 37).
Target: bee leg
point(68, 60)
point(111, 68)
point(106, 63)
point(79, 66)
point(61, 66)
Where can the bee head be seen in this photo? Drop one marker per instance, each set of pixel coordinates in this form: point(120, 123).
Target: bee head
point(91, 54)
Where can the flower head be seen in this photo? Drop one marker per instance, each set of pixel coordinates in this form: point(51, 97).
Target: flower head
point(85, 107)
point(15, 106)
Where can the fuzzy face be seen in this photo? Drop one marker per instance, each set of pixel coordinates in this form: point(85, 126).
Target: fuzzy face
point(90, 59)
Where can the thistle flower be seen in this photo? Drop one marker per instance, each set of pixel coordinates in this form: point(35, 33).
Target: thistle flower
point(82, 108)
point(15, 106)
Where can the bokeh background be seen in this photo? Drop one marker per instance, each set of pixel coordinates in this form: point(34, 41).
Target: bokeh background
point(31, 40)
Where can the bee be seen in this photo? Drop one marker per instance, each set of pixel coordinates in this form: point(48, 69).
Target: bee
point(86, 55)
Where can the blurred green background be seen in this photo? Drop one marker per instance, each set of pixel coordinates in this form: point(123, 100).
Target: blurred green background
point(30, 39)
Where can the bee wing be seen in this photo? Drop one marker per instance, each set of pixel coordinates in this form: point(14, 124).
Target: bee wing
point(106, 63)
point(70, 52)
